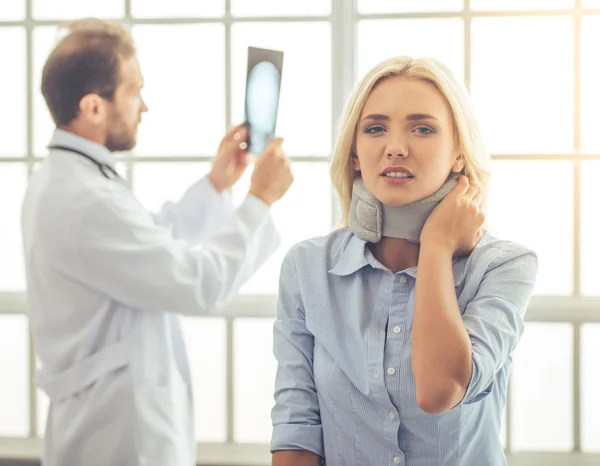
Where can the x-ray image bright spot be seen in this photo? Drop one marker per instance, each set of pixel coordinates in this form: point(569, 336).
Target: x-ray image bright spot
point(263, 84)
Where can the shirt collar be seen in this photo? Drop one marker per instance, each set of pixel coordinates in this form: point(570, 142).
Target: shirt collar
point(97, 151)
point(354, 255)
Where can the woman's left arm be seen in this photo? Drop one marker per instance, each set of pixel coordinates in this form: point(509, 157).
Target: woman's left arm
point(455, 358)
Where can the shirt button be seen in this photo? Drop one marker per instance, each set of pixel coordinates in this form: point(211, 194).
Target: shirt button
point(403, 279)
point(397, 459)
point(391, 371)
point(392, 415)
point(396, 329)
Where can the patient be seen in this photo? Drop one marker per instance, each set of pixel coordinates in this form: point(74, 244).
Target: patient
point(394, 335)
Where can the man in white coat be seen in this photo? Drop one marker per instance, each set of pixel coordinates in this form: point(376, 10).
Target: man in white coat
point(107, 280)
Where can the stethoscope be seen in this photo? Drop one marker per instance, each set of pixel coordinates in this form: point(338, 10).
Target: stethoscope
point(106, 170)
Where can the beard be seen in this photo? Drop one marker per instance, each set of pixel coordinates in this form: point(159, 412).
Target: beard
point(119, 137)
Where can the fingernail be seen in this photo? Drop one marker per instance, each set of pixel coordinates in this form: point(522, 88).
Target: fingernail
point(243, 145)
point(236, 136)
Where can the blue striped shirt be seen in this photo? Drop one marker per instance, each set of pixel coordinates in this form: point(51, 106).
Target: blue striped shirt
point(344, 387)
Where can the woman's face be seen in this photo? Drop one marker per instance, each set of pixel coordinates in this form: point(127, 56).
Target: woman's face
point(405, 146)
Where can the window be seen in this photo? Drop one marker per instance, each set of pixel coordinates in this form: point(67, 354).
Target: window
point(185, 90)
point(532, 67)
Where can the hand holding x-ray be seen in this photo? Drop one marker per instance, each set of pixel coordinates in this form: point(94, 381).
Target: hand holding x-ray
point(263, 84)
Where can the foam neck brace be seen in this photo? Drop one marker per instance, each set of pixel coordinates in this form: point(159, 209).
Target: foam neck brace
point(370, 220)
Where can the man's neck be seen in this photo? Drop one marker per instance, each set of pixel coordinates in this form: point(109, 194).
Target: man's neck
point(79, 130)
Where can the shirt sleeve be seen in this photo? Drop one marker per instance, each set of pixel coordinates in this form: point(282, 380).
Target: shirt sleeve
point(296, 417)
point(199, 213)
point(121, 252)
point(494, 319)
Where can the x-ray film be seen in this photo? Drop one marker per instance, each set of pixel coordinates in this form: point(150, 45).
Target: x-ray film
point(263, 84)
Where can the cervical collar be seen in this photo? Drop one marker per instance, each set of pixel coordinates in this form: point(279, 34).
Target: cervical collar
point(370, 220)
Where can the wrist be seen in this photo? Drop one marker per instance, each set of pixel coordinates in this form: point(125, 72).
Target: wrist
point(260, 196)
point(438, 249)
point(218, 184)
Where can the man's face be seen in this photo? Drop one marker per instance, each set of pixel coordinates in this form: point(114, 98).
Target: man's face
point(125, 112)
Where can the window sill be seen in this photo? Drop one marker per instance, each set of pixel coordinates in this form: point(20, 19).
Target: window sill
point(213, 454)
point(230, 454)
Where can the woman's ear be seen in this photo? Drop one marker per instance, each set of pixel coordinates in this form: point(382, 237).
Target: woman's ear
point(356, 162)
point(459, 164)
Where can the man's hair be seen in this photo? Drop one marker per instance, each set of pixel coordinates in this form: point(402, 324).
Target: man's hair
point(87, 60)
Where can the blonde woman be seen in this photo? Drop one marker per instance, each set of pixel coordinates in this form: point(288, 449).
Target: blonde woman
point(395, 334)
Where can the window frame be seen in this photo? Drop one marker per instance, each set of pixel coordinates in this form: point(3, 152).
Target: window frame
point(576, 309)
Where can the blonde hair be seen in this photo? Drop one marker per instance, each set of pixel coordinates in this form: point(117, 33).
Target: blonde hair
point(466, 131)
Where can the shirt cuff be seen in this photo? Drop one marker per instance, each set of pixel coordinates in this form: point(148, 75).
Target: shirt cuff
point(298, 437)
point(257, 205)
point(475, 392)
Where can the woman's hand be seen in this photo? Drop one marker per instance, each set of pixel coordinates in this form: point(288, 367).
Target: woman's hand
point(455, 224)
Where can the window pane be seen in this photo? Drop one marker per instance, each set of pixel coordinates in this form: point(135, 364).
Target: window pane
point(13, 120)
point(13, 179)
point(590, 387)
point(177, 8)
point(542, 389)
point(156, 183)
point(185, 93)
point(304, 117)
point(295, 220)
point(44, 40)
point(381, 39)
point(279, 8)
point(519, 188)
point(14, 367)
point(522, 85)
point(73, 9)
point(590, 76)
point(590, 228)
point(408, 6)
point(254, 369)
point(12, 11)
point(521, 4)
point(206, 344)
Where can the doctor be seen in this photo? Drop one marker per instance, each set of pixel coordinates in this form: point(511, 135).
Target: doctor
point(107, 280)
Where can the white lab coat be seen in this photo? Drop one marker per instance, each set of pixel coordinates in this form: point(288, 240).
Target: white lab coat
point(106, 283)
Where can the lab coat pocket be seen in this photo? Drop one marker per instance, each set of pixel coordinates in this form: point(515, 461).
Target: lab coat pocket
point(80, 426)
point(162, 434)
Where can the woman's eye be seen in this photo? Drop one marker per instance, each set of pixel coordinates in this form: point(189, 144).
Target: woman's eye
point(374, 129)
point(424, 130)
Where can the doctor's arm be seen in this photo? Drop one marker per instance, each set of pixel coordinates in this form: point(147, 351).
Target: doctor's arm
point(200, 212)
point(297, 438)
point(121, 252)
point(206, 205)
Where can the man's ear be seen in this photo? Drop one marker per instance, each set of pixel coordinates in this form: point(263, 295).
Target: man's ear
point(92, 107)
